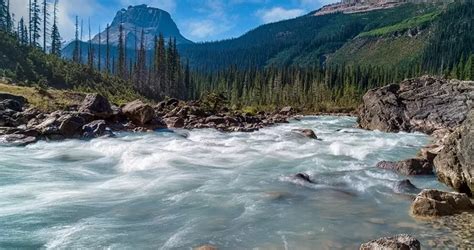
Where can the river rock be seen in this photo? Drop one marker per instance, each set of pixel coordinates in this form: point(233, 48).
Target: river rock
point(71, 125)
point(303, 177)
point(174, 122)
point(97, 105)
point(11, 104)
point(96, 129)
point(414, 166)
point(405, 186)
point(20, 99)
point(206, 247)
point(17, 139)
point(455, 162)
point(138, 112)
point(306, 133)
point(434, 203)
point(287, 110)
point(401, 241)
point(423, 104)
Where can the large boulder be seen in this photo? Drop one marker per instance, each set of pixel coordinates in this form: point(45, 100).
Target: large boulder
point(138, 112)
point(174, 122)
point(423, 104)
point(96, 129)
point(454, 165)
point(71, 125)
point(17, 139)
point(20, 99)
point(414, 166)
point(401, 241)
point(11, 104)
point(97, 105)
point(433, 203)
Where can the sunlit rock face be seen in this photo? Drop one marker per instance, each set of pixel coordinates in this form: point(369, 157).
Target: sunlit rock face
point(134, 19)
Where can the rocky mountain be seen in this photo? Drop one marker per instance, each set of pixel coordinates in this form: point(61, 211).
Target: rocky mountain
point(134, 19)
point(356, 6)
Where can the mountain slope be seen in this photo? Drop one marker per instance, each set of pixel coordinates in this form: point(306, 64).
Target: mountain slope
point(304, 41)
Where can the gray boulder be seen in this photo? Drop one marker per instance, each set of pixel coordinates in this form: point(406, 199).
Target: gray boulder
point(97, 105)
point(414, 166)
point(401, 241)
point(421, 104)
point(454, 165)
point(138, 112)
point(306, 133)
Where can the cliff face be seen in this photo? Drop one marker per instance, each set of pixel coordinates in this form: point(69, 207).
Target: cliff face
point(355, 6)
point(152, 21)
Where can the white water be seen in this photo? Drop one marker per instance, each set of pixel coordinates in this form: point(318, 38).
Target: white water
point(236, 191)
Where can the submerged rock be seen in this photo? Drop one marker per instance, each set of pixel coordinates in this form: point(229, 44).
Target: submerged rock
point(17, 139)
point(306, 133)
point(433, 203)
point(206, 247)
point(415, 166)
point(401, 241)
point(406, 186)
point(455, 162)
point(421, 104)
point(303, 177)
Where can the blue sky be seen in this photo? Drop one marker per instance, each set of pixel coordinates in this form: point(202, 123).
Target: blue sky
point(198, 20)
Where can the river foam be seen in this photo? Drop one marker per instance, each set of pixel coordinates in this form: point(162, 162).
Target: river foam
point(180, 190)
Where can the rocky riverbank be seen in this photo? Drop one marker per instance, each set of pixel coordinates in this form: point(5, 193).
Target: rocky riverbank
point(96, 117)
point(444, 109)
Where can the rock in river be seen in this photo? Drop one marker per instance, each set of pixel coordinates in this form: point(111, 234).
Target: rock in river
point(415, 166)
point(306, 133)
point(421, 104)
point(97, 105)
point(401, 241)
point(433, 203)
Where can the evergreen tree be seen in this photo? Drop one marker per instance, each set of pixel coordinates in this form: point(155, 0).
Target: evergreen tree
point(76, 56)
point(99, 58)
point(45, 24)
point(107, 48)
point(55, 36)
point(121, 64)
point(35, 23)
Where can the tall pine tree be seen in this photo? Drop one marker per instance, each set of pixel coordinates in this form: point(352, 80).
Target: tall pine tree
point(55, 36)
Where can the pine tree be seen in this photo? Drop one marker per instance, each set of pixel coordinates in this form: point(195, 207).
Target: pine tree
point(55, 36)
point(141, 65)
point(107, 49)
point(35, 23)
point(90, 49)
point(3, 15)
point(99, 58)
point(121, 64)
point(76, 53)
point(45, 24)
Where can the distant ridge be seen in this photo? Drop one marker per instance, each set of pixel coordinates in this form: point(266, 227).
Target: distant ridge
point(357, 6)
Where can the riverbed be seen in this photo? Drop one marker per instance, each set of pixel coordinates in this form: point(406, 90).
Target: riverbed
point(182, 189)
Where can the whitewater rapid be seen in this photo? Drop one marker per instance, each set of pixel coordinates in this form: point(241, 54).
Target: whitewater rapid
point(179, 190)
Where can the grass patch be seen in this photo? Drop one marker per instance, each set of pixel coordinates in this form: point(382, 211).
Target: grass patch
point(419, 21)
point(44, 99)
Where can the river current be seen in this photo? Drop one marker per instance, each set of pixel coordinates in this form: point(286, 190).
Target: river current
point(180, 190)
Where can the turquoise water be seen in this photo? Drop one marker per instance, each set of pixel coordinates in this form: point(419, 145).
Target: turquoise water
point(180, 190)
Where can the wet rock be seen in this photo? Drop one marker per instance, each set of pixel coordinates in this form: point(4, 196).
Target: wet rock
point(97, 105)
point(287, 110)
point(306, 133)
point(96, 129)
point(206, 247)
point(415, 166)
point(17, 139)
point(71, 125)
point(138, 112)
point(303, 177)
point(405, 186)
point(455, 162)
point(421, 104)
point(401, 241)
point(174, 122)
point(433, 203)
point(215, 119)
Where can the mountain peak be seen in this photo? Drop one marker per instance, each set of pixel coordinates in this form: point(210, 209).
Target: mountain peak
point(134, 19)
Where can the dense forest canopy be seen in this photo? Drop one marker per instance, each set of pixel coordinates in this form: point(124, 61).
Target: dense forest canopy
point(285, 63)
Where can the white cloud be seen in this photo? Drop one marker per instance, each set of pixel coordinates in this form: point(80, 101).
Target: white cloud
point(278, 13)
point(201, 29)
